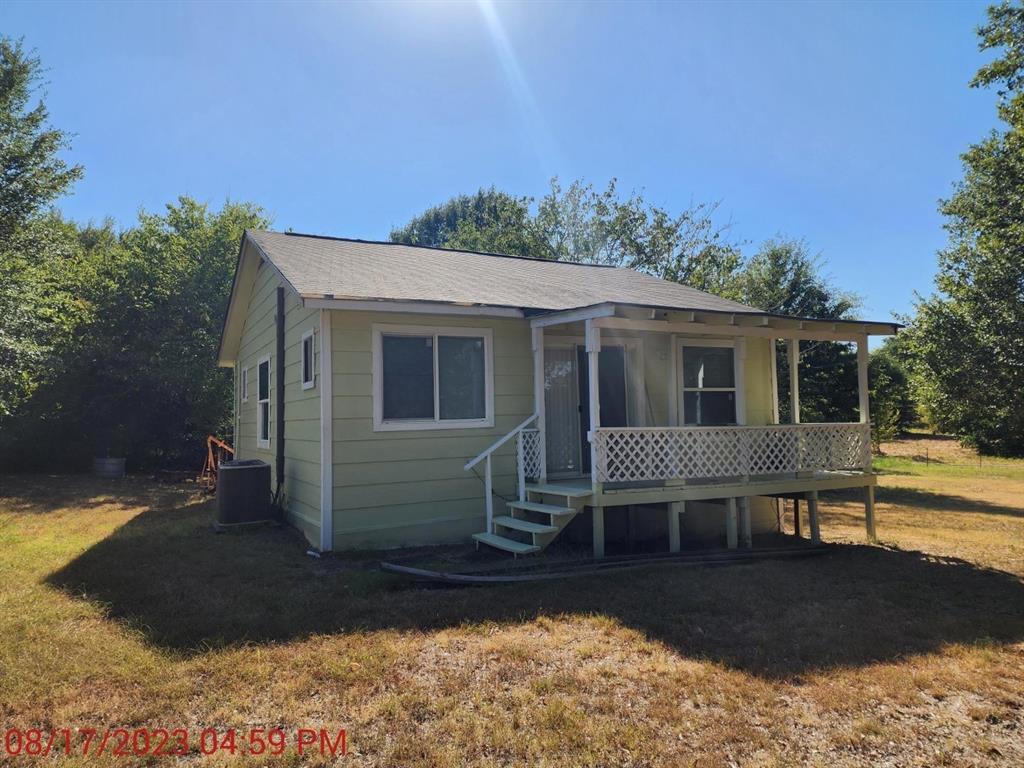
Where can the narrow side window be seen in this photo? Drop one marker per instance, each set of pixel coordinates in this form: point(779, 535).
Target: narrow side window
point(263, 403)
point(307, 367)
point(244, 385)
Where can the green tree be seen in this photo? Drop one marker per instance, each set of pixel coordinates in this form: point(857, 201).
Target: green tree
point(893, 409)
point(968, 338)
point(783, 277)
point(581, 224)
point(32, 174)
point(489, 221)
point(137, 373)
point(35, 299)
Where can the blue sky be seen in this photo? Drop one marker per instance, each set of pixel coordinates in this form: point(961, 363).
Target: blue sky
point(838, 123)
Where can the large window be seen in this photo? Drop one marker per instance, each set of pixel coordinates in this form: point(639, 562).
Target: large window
point(709, 385)
point(263, 403)
point(432, 378)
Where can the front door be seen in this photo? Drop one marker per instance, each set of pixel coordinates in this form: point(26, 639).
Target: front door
point(611, 381)
point(567, 403)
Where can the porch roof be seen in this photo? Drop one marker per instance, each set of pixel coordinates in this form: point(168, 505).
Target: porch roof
point(749, 322)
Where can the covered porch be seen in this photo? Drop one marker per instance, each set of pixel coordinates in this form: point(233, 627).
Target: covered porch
point(657, 408)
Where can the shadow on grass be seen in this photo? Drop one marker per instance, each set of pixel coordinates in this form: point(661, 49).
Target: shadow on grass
point(45, 493)
point(187, 589)
point(929, 500)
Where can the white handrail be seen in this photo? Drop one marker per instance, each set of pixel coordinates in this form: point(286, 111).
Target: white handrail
point(488, 487)
point(501, 441)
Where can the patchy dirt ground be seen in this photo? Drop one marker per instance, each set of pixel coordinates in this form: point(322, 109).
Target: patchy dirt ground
point(119, 607)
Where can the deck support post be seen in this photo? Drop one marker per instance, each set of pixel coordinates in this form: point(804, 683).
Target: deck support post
point(675, 508)
point(746, 537)
point(731, 528)
point(796, 519)
point(869, 512)
point(598, 525)
point(538, 399)
point(812, 511)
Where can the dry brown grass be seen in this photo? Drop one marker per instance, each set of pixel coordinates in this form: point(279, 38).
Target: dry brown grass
point(118, 606)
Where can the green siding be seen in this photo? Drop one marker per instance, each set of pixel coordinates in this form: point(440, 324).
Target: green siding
point(301, 490)
point(400, 488)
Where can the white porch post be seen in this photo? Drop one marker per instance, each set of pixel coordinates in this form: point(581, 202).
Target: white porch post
point(538, 399)
point(862, 378)
point(793, 349)
point(593, 351)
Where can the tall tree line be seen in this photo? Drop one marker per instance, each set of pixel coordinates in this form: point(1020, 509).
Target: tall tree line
point(965, 345)
point(107, 338)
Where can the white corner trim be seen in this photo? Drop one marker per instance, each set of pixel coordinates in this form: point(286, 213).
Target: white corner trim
point(377, 384)
point(310, 334)
point(326, 435)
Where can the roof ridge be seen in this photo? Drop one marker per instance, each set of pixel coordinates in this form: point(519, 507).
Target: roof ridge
point(439, 248)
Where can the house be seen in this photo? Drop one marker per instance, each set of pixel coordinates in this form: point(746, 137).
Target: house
point(410, 395)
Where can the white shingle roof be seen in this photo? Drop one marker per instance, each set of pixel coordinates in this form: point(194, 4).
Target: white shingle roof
point(357, 269)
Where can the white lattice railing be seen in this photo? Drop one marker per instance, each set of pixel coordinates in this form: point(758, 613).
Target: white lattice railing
point(528, 457)
point(683, 453)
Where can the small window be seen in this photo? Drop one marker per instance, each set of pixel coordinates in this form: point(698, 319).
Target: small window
point(709, 386)
point(244, 385)
point(308, 370)
point(432, 378)
point(263, 403)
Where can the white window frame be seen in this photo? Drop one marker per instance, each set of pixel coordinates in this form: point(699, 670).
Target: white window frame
point(310, 383)
point(739, 384)
point(401, 425)
point(244, 384)
point(260, 442)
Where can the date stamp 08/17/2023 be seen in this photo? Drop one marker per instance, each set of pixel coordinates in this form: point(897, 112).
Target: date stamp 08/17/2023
point(172, 742)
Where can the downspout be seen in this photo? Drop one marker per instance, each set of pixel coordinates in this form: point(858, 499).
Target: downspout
point(279, 395)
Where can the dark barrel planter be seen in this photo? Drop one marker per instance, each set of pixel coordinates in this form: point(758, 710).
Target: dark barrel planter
point(108, 467)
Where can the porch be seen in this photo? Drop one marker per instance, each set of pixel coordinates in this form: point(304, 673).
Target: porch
point(652, 409)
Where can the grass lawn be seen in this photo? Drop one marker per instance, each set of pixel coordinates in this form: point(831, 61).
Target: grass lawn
point(120, 607)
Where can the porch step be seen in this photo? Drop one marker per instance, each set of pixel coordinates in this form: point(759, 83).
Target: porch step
point(576, 492)
point(536, 506)
point(524, 525)
point(509, 545)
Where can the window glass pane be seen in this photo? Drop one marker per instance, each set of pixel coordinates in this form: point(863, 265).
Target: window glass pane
point(709, 408)
point(460, 368)
point(265, 421)
point(307, 359)
point(708, 367)
point(408, 386)
point(264, 384)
